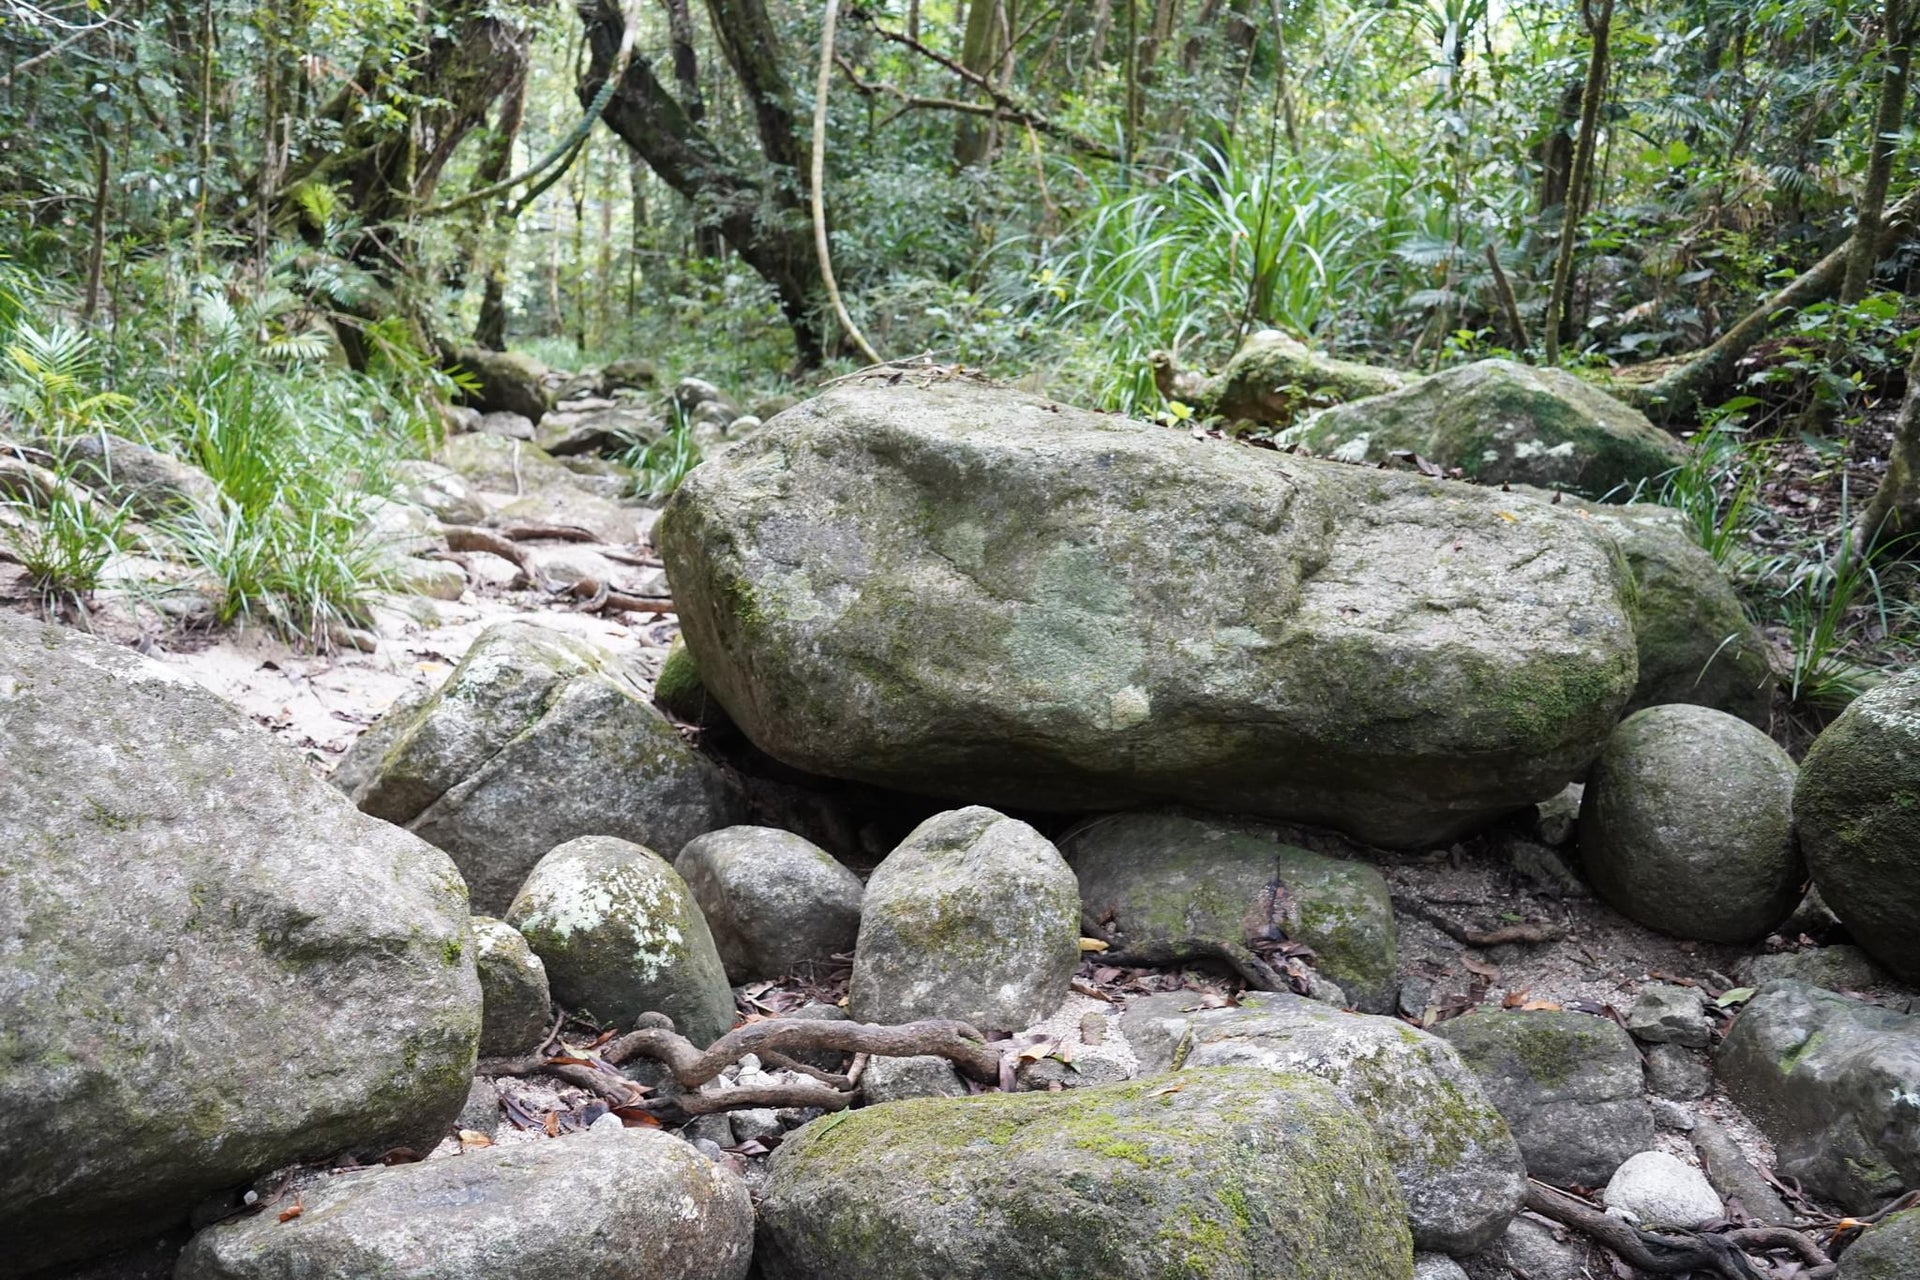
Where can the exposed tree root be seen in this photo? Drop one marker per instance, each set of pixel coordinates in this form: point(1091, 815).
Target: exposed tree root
point(957, 1042)
point(1706, 1254)
point(1531, 932)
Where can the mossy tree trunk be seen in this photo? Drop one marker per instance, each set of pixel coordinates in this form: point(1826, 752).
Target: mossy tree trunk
point(1894, 511)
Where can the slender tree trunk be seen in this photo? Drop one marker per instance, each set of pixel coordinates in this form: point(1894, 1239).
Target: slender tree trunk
point(1560, 301)
point(1863, 254)
point(1894, 511)
point(492, 242)
point(982, 51)
point(97, 249)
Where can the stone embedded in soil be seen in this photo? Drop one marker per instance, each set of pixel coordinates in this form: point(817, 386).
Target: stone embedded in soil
point(1662, 1192)
point(966, 591)
point(1838, 968)
point(621, 936)
point(974, 916)
point(1686, 825)
point(1213, 1172)
point(1568, 1084)
point(593, 1206)
point(211, 966)
point(1890, 1250)
point(513, 989)
point(1664, 1013)
point(777, 904)
point(1452, 1153)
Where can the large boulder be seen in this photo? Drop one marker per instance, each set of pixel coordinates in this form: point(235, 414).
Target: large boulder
point(962, 590)
point(499, 465)
point(1695, 641)
point(1889, 1250)
point(536, 737)
point(1857, 807)
point(1499, 422)
point(1199, 1174)
point(1835, 1083)
point(1273, 378)
point(150, 484)
point(1686, 825)
point(596, 1206)
point(505, 382)
point(210, 965)
point(974, 916)
point(1452, 1154)
point(777, 904)
point(1568, 1084)
point(620, 936)
point(1174, 885)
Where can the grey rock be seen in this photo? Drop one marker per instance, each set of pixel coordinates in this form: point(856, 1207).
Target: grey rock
point(1534, 1248)
point(896, 1079)
point(967, 591)
point(1164, 880)
point(509, 382)
point(1662, 1191)
point(1416, 993)
point(628, 371)
point(1500, 422)
point(716, 1129)
point(1546, 870)
point(1436, 1266)
point(210, 965)
point(1859, 822)
point(152, 485)
point(570, 505)
point(434, 579)
point(756, 1124)
point(1835, 1083)
point(1083, 1072)
point(710, 1149)
point(1568, 1084)
point(1890, 1250)
point(437, 489)
point(499, 465)
point(689, 394)
point(1686, 828)
point(1837, 968)
point(621, 936)
point(480, 1113)
point(1665, 1013)
point(1201, 1173)
point(513, 989)
point(537, 737)
point(974, 916)
point(1451, 1152)
point(1670, 1115)
point(1555, 817)
point(777, 904)
point(1727, 1169)
point(512, 426)
point(1678, 1073)
point(566, 1209)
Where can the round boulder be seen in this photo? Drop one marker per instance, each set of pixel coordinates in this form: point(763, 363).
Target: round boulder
point(587, 1207)
point(974, 916)
point(1889, 1250)
point(777, 904)
point(513, 989)
point(621, 936)
point(1857, 805)
point(1662, 1191)
point(1686, 825)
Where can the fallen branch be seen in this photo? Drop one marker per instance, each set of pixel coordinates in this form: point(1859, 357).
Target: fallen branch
point(547, 533)
point(1250, 968)
point(610, 1085)
point(691, 1067)
point(1661, 1254)
point(465, 537)
point(1531, 932)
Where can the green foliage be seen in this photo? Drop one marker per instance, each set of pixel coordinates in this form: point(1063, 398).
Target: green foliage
point(1820, 605)
point(63, 538)
point(660, 466)
point(1716, 486)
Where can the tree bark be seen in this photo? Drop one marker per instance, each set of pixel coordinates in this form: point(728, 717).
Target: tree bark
point(1893, 513)
point(1560, 301)
point(1863, 253)
point(491, 242)
point(760, 215)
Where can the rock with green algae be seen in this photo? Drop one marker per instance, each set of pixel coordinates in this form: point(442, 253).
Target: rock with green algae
point(513, 988)
point(604, 1205)
point(1835, 1082)
point(1889, 1250)
point(621, 935)
point(1198, 1175)
point(1696, 643)
point(1856, 806)
point(1499, 422)
point(1456, 1162)
point(966, 591)
point(1568, 1084)
point(1156, 879)
point(499, 465)
point(505, 382)
point(1273, 378)
point(973, 916)
point(1686, 825)
point(536, 737)
point(679, 691)
point(777, 904)
point(211, 966)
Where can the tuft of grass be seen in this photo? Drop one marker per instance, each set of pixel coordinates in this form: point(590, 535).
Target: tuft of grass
point(660, 465)
point(1827, 603)
point(1715, 490)
point(64, 537)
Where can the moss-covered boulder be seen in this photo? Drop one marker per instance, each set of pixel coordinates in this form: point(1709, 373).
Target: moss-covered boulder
point(506, 382)
point(966, 591)
point(586, 1207)
point(499, 465)
point(679, 691)
point(621, 935)
point(1158, 882)
point(513, 989)
point(1273, 379)
point(211, 966)
point(1686, 825)
point(1194, 1176)
point(1889, 1250)
point(974, 916)
point(1568, 1084)
point(1835, 1082)
point(535, 738)
point(1451, 1152)
point(1696, 643)
point(1499, 422)
point(777, 904)
point(1857, 807)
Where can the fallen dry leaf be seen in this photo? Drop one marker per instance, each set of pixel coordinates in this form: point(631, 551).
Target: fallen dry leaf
point(1092, 944)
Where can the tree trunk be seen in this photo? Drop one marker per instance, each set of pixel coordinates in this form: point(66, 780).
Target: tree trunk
point(1864, 252)
point(761, 217)
point(1894, 511)
point(981, 51)
point(1560, 301)
point(491, 330)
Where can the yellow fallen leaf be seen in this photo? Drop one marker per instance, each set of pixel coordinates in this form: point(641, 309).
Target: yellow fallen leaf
point(474, 1138)
point(1175, 1087)
point(1508, 516)
point(1092, 944)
